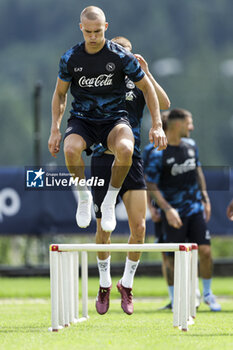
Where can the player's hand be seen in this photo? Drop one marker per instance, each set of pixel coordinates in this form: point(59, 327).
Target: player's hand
point(173, 218)
point(158, 137)
point(155, 214)
point(143, 63)
point(207, 210)
point(54, 142)
point(230, 211)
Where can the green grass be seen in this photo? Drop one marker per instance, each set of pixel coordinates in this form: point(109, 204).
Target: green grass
point(25, 318)
point(24, 326)
point(143, 287)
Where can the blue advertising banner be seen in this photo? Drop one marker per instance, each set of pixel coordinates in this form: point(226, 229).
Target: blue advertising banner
point(38, 201)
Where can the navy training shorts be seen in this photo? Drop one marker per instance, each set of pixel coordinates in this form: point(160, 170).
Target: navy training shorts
point(101, 167)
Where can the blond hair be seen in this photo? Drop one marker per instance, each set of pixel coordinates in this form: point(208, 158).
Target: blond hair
point(92, 13)
point(121, 40)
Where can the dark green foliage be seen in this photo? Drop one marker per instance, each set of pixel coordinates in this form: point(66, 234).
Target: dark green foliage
point(34, 34)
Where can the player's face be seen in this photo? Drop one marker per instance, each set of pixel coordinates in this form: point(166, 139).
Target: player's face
point(187, 126)
point(93, 33)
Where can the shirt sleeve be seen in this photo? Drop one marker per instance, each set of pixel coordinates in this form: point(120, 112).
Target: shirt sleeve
point(63, 68)
point(152, 165)
point(132, 67)
point(197, 156)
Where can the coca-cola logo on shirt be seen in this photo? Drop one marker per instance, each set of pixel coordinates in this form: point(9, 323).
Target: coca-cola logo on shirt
point(101, 80)
point(188, 165)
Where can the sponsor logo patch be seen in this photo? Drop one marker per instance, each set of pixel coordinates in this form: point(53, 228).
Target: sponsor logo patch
point(129, 96)
point(191, 152)
point(130, 84)
point(69, 129)
point(188, 165)
point(207, 235)
point(101, 80)
point(78, 69)
point(110, 67)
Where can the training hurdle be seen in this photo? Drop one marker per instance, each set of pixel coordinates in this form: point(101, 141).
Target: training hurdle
point(64, 280)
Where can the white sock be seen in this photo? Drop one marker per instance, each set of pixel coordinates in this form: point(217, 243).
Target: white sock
point(104, 272)
point(171, 293)
point(82, 192)
point(111, 195)
point(129, 272)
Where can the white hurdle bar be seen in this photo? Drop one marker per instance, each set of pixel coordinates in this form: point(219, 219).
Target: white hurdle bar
point(64, 279)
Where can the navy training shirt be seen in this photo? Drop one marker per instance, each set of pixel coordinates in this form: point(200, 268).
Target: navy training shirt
point(98, 80)
point(135, 104)
point(174, 171)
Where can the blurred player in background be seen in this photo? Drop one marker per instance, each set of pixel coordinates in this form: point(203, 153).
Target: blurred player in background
point(133, 192)
point(155, 213)
point(174, 177)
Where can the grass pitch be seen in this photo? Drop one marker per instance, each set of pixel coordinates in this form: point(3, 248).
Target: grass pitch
point(25, 318)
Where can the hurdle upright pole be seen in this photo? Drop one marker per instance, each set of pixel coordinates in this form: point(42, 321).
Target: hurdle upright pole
point(194, 274)
point(71, 287)
point(54, 287)
point(84, 284)
point(76, 285)
point(184, 287)
point(176, 299)
point(60, 292)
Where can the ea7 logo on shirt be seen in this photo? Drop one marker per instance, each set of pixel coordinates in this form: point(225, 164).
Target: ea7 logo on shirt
point(110, 67)
point(78, 69)
point(101, 80)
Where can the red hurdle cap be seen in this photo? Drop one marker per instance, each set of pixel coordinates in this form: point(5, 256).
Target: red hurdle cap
point(54, 247)
point(183, 248)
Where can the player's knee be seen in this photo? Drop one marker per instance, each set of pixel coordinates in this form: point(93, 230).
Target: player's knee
point(125, 150)
point(139, 231)
point(72, 151)
point(103, 237)
point(205, 251)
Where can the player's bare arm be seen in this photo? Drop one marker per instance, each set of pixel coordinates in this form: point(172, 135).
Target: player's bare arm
point(171, 213)
point(203, 189)
point(154, 212)
point(164, 101)
point(58, 109)
point(230, 211)
point(156, 134)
